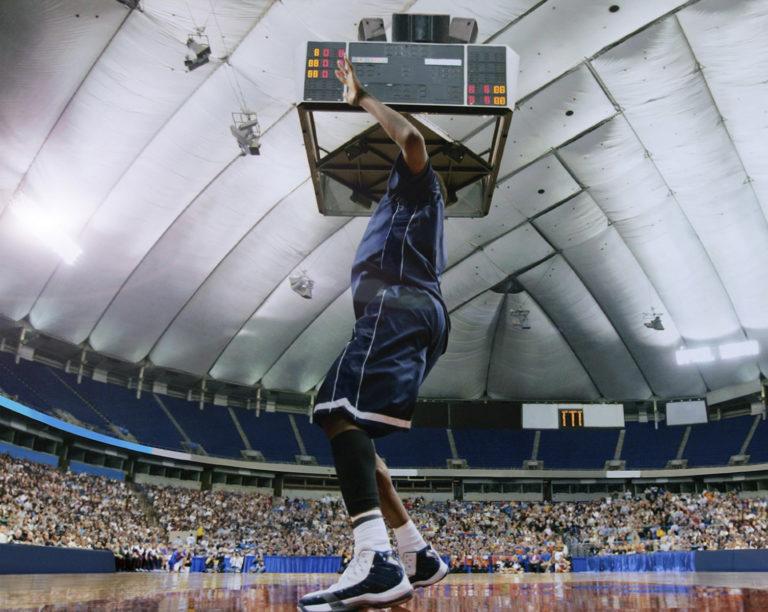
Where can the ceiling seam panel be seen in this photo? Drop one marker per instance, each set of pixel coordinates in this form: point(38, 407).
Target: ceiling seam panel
point(575, 67)
point(522, 270)
point(220, 263)
point(724, 123)
point(589, 291)
point(520, 17)
point(643, 269)
point(556, 152)
point(737, 30)
point(597, 303)
point(497, 319)
point(716, 270)
point(149, 142)
point(178, 216)
point(567, 343)
point(682, 210)
point(640, 266)
point(22, 180)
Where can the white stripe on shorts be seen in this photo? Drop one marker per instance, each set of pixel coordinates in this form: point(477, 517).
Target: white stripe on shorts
point(363, 416)
point(370, 346)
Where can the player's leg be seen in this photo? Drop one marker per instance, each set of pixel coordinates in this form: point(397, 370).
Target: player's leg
point(422, 563)
point(375, 576)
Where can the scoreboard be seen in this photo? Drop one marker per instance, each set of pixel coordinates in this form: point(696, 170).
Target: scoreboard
point(424, 74)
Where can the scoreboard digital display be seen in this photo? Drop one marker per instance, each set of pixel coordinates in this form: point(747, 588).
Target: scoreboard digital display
point(571, 418)
point(482, 76)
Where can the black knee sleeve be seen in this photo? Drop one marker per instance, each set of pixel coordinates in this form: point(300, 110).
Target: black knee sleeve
point(355, 461)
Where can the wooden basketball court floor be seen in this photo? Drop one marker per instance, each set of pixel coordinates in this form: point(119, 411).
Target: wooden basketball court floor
point(458, 593)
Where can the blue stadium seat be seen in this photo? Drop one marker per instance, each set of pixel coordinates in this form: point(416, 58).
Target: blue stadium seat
point(714, 443)
point(143, 417)
point(494, 448)
point(648, 447)
point(270, 433)
point(211, 427)
point(577, 448)
point(314, 439)
point(758, 447)
point(419, 447)
point(41, 387)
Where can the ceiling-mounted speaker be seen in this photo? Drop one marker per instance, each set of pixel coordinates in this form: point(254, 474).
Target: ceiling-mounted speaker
point(371, 29)
point(420, 28)
point(463, 30)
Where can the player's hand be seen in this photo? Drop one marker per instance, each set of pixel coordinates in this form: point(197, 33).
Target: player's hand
point(346, 74)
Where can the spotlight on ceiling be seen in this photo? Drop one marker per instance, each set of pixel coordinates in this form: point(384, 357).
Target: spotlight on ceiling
point(703, 354)
point(46, 228)
point(518, 319)
point(653, 320)
point(302, 284)
point(246, 130)
point(199, 51)
point(734, 350)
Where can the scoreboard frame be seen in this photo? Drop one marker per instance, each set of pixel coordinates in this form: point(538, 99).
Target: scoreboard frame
point(499, 116)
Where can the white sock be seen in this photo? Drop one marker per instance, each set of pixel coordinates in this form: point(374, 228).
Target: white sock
point(371, 532)
point(408, 538)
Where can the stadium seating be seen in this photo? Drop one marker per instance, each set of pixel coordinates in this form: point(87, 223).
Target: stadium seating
point(143, 417)
point(315, 441)
point(46, 389)
point(493, 448)
point(714, 443)
point(758, 447)
point(112, 408)
point(420, 447)
point(270, 433)
point(648, 447)
point(569, 448)
point(212, 427)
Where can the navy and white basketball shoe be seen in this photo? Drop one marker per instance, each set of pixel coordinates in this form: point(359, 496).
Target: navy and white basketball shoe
point(372, 579)
point(424, 567)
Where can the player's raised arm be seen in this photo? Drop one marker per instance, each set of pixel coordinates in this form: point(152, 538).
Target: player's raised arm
point(395, 125)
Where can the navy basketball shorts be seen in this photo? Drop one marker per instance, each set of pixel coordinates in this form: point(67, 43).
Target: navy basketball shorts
point(376, 379)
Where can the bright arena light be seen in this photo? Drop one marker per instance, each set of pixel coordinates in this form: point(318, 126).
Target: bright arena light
point(703, 354)
point(46, 228)
point(733, 350)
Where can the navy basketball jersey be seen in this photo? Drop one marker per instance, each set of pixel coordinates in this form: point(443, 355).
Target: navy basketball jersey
point(403, 243)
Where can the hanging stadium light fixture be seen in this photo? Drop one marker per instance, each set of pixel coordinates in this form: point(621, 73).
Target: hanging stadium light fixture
point(302, 284)
point(518, 319)
point(734, 350)
point(702, 354)
point(246, 130)
point(199, 50)
point(653, 320)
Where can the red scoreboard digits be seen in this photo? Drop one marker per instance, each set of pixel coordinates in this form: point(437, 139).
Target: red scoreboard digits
point(319, 57)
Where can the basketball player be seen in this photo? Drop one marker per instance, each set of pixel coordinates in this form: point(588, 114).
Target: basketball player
point(370, 390)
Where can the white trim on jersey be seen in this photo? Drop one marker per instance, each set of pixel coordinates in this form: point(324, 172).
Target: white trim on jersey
point(405, 237)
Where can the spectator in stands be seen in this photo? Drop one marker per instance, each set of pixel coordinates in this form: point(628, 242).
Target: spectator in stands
point(5, 536)
point(42, 505)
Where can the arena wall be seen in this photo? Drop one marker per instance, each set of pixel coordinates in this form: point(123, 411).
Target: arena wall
point(28, 559)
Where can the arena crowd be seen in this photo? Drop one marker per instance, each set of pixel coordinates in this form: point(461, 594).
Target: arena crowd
point(154, 528)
